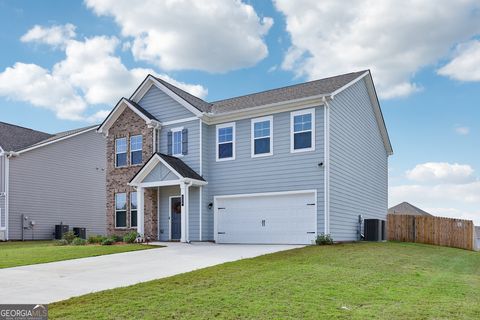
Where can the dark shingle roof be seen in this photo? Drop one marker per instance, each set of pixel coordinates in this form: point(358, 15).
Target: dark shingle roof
point(407, 208)
point(139, 108)
point(181, 167)
point(194, 101)
point(303, 90)
point(318, 87)
point(14, 138)
point(63, 134)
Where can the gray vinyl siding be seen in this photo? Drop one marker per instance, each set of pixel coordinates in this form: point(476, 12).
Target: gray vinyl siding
point(62, 182)
point(192, 158)
point(164, 211)
point(283, 171)
point(358, 163)
point(2, 189)
point(207, 214)
point(162, 106)
point(194, 215)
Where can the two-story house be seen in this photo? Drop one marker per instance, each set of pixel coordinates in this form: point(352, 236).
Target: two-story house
point(279, 166)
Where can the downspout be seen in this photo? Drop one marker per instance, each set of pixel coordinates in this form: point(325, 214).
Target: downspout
point(8, 155)
point(326, 180)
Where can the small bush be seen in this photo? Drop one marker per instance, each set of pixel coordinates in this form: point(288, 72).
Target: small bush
point(95, 239)
point(79, 242)
point(324, 239)
point(61, 242)
point(108, 242)
point(69, 236)
point(116, 238)
point(130, 237)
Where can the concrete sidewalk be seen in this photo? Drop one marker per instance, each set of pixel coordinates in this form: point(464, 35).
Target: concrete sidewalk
point(50, 282)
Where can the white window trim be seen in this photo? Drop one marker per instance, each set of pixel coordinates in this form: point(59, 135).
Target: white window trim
point(173, 130)
point(130, 207)
point(126, 217)
point(220, 126)
point(126, 152)
point(298, 113)
point(252, 136)
point(132, 150)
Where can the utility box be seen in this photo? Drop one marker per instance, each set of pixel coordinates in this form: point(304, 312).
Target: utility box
point(60, 230)
point(80, 232)
point(374, 230)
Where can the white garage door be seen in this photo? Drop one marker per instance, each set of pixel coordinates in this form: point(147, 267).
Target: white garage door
point(276, 218)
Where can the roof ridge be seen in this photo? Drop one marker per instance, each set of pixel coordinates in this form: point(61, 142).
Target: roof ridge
point(289, 86)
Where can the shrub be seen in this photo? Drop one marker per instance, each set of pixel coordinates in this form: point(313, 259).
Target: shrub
point(130, 237)
point(108, 242)
point(116, 238)
point(79, 242)
point(324, 239)
point(95, 239)
point(61, 242)
point(69, 236)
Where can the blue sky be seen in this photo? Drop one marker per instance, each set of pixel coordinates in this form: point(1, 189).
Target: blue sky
point(426, 69)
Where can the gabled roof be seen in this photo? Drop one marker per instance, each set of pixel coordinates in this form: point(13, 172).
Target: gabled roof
point(191, 99)
point(407, 208)
point(120, 107)
point(324, 86)
point(14, 138)
point(181, 167)
point(174, 164)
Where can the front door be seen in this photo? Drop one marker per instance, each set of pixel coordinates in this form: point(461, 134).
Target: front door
point(176, 217)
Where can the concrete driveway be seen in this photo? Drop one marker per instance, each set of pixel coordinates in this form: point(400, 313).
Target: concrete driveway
point(50, 282)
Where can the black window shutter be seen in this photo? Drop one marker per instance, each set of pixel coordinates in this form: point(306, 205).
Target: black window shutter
point(184, 141)
point(169, 143)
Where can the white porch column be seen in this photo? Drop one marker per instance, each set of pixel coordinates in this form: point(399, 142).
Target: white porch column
point(140, 211)
point(184, 198)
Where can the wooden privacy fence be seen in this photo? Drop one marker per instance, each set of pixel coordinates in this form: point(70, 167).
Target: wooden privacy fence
point(447, 232)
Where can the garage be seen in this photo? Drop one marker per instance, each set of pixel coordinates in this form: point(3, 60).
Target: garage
point(267, 218)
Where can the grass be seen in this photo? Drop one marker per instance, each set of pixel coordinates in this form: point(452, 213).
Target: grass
point(14, 254)
point(347, 281)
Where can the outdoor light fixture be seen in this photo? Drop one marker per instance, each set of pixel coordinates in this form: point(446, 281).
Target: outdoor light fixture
point(210, 205)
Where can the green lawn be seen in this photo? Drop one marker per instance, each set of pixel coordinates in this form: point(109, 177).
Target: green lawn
point(348, 281)
point(18, 253)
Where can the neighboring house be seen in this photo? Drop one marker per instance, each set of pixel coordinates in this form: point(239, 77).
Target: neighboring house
point(407, 208)
point(279, 166)
point(51, 178)
point(477, 237)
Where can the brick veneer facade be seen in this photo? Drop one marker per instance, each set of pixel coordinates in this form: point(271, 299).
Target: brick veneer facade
point(129, 124)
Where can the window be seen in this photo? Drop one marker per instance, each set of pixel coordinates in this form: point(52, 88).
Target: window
point(120, 152)
point(226, 141)
point(262, 132)
point(177, 141)
point(302, 130)
point(120, 210)
point(133, 209)
point(136, 149)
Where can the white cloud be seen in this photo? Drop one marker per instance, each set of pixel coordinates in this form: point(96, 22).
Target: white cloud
point(90, 75)
point(465, 65)
point(394, 39)
point(463, 200)
point(213, 36)
point(441, 172)
point(462, 130)
point(56, 35)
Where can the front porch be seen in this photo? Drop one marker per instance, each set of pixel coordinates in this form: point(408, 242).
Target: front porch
point(178, 191)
